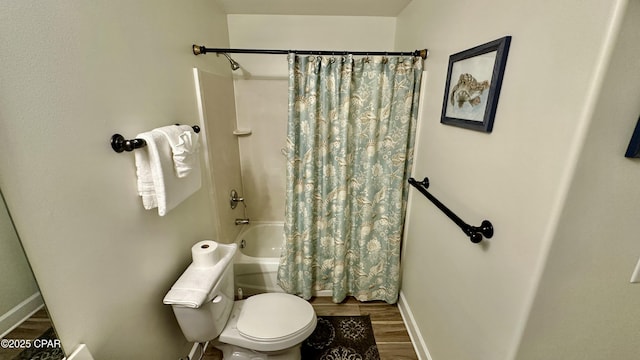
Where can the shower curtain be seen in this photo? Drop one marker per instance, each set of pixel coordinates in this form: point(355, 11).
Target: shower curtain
point(350, 137)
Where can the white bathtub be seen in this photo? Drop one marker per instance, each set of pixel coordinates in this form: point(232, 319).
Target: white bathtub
point(256, 263)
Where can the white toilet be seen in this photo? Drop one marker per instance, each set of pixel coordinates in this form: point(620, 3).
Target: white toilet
point(268, 326)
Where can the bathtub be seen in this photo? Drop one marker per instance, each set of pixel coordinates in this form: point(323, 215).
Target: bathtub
point(256, 263)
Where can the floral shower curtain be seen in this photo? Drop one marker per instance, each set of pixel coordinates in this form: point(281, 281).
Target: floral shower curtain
point(349, 149)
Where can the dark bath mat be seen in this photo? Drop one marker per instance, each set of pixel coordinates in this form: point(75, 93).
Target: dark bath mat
point(47, 349)
point(341, 337)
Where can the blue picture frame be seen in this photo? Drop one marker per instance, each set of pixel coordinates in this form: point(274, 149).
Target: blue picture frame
point(633, 150)
point(472, 90)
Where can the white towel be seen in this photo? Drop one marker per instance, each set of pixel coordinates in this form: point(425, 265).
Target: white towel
point(157, 183)
point(195, 285)
point(184, 146)
point(146, 183)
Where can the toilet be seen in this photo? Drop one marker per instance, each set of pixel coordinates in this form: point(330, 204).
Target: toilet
point(269, 326)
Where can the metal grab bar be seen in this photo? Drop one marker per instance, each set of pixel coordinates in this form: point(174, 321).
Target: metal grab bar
point(475, 233)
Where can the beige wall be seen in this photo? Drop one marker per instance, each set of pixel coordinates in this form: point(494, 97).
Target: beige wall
point(261, 90)
point(585, 306)
point(289, 32)
point(17, 282)
point(472, 301)
point(74, 73)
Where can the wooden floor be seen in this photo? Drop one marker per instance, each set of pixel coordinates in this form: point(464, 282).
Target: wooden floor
point(30, 329)
point(389, 330)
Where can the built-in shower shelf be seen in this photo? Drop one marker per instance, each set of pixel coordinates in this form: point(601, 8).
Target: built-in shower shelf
point(242, 132)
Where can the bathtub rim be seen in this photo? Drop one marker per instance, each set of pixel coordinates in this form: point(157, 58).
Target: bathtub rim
point(242, 257)
point(265, 263)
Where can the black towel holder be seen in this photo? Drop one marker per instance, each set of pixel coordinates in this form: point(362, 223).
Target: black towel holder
point(475, 233)
point(120, 144)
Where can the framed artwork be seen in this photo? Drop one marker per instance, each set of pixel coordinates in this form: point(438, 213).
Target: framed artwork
point(633, 150)
point(473, 85)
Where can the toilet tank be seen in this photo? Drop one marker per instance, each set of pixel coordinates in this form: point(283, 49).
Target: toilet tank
point(207, 322)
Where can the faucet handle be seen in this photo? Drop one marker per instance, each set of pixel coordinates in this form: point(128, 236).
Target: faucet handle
point(234, 199)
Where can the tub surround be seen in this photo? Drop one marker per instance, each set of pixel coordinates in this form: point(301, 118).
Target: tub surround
point(216, 107)
point(256, 263)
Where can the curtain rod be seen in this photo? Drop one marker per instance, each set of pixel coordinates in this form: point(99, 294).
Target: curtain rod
point(197, 50)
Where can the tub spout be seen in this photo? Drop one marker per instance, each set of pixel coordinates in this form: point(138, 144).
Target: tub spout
point(242, 221)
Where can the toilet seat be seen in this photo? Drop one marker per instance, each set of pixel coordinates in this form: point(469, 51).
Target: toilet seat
point(260, 332)
point(274, 317)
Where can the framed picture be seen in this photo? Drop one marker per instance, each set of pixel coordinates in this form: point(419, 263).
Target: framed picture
point(633, 150)
point(473, 85)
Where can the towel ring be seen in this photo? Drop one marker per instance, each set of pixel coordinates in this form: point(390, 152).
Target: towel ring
point(120, 144)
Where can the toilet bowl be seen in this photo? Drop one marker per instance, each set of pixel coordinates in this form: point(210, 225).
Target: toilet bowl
point(267, 326)
point(272, 324)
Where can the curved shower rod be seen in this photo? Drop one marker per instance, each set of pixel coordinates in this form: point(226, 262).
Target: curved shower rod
point(474, 233)
point(197, 50)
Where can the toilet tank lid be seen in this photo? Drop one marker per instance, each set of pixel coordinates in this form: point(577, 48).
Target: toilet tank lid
point(194, 285)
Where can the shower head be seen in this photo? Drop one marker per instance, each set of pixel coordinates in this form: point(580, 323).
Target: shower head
point(234, 64)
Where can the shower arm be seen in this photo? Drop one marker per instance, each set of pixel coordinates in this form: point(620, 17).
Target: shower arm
point(234, 64)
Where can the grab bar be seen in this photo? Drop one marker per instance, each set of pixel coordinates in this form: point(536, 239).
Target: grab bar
point(474, 233)
point(120, 144)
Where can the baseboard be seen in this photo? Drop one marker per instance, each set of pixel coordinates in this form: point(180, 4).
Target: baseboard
point(19, 313)
point(414, 332)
